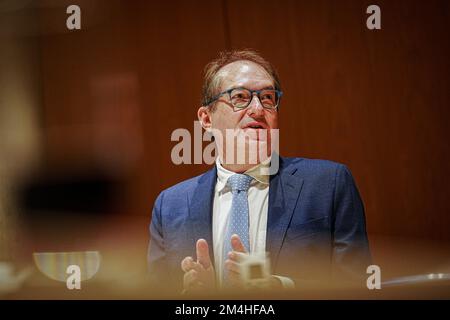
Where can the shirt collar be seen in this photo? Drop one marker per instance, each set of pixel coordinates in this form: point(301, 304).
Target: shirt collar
point(258, 173)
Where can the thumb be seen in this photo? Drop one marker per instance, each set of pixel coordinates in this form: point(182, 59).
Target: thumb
point(237, 244)
point(203, 253)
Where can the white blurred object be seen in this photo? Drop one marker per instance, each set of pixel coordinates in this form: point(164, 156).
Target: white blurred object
point(418, 279)
point(9, 281)
point(54, 264)
point(255, 270)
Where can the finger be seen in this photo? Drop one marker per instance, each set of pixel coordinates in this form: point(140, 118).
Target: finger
point(203, 253)
point(192, 265)
point(190, 279)
point(235, 279)
point(186, 264)
point(232, 266)
point(237, 244)
point(236, 256)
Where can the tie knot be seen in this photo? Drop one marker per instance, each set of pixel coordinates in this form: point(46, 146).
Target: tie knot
point(239, 182)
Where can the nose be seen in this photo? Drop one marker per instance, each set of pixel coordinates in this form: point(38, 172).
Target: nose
point(255, 108)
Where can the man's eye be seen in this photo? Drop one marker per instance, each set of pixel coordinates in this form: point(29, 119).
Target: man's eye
point(239, 96)
point(268, 97)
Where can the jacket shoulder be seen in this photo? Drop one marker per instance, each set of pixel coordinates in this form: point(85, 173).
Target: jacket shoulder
point(184, 187)
point(312, 166)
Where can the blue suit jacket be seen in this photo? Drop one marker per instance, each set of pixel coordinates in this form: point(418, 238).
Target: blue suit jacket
point(315, 228)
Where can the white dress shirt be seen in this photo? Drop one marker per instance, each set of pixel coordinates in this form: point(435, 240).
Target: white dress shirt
point(258, 203)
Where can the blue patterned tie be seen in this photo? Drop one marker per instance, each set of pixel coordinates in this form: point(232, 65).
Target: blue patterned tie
point(238, 220)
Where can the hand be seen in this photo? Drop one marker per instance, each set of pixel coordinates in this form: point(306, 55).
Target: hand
point(199, 275)
point(232, 263)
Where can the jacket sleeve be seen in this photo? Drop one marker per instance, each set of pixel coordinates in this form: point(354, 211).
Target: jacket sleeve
point(156, 255)
point(350, 250)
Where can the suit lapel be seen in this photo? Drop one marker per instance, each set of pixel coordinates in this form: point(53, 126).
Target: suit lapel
point(200, 209)
point(284, 191)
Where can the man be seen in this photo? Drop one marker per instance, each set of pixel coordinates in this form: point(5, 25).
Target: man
point(307, 215)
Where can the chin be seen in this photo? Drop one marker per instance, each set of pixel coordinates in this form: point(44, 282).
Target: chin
point(258, 149)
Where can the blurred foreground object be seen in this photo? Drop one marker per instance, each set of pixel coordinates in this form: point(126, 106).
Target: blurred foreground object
point(54, 264)
point(10, 281)
point(430, 278)
point(20, 102)
point(255, 270)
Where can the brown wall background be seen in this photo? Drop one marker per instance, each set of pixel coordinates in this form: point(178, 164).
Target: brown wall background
point(113, 92)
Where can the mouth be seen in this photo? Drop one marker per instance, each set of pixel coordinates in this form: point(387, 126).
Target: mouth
point(254, 125)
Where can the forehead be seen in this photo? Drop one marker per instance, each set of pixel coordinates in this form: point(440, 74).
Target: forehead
point(243, 74)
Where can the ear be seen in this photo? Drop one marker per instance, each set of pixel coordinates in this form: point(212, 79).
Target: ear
point(204, 116)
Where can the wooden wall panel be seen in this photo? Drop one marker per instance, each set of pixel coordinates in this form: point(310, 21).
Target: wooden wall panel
point(375, 100)
point(146, 56)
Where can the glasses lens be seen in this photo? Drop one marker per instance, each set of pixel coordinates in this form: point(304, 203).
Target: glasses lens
point(269, 98)
point(240, 98)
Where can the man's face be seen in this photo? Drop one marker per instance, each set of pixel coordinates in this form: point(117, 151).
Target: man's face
point(254, 122)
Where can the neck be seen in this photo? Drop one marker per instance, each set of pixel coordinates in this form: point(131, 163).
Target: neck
point(241, 167)
point(238, 168)
point(246, 165)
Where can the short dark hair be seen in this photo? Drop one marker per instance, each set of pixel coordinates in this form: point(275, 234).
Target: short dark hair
point(211, 85)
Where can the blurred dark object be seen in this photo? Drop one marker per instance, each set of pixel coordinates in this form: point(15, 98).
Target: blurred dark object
point(64, 210)
point(82, 193)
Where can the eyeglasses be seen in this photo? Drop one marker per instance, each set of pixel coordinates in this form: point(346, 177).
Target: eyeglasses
point(240, 98)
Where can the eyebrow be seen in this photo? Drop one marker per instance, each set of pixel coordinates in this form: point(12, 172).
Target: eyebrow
point(265, 88)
